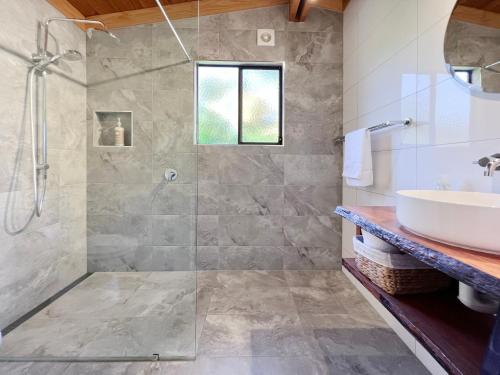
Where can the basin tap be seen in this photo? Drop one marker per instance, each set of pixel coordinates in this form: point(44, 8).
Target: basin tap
point(490, 164)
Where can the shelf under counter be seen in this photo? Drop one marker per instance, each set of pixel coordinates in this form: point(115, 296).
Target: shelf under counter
point(461, 340)
point(456, 336)
point(477, 269)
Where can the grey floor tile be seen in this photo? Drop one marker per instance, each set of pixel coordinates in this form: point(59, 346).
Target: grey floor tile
point(253, 335)
point(259, 366)
point(247, 322)
point(114, 368)
point(109, 315)
point(252, 301)
point(245, 279)
point(30, 368)
point(317, 279)
point(354, 340)
point(316, 301)
point(375, 365)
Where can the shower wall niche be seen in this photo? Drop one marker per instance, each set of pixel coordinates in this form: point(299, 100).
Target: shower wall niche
point(105, 124)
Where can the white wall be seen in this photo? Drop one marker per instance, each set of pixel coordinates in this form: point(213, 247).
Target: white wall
point(394, 68)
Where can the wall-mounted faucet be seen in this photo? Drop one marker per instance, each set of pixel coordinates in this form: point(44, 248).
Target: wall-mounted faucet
point(490, 164)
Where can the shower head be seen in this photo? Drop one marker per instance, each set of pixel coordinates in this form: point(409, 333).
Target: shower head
point(91, 30)
point(101, 27)
point(70, 55)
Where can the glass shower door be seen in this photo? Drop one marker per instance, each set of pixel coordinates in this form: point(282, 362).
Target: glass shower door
point(137, 300)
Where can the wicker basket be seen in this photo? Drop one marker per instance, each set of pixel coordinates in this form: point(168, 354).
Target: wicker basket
point(404, 280)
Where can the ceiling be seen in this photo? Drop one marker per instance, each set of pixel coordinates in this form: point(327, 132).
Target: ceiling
point(479, 12)
point(123, 13)
point(486, 5)
point(91, 8)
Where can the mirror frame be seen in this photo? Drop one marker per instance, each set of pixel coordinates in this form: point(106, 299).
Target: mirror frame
point(474, 90)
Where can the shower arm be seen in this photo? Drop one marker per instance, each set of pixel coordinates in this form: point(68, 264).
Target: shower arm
point(74, 20)
point(165, 15)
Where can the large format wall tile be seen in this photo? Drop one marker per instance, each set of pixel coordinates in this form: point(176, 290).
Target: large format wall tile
point(250, 200)
point(315, 231)
point(251, 230)
point(246, 169)
point(135, 43)
point(314, 48)
point(114, 230)
point(311, 200)
point(240, 45)
point(119, 199)
point(118, 166)
point(173, 230)
point(317, 170)
point(242, 194)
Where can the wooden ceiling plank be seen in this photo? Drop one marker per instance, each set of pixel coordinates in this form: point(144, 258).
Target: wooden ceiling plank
point(84, 7)
point(103, 6)
point(68, 10)
point(181, 10)
point(121, 5)
point(293, 10)
point(476, 16)
point(147, 16)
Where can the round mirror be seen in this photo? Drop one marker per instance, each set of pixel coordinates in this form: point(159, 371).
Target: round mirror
point(472, 45)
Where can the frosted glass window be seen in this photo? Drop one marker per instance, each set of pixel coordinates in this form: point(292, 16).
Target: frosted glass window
point(217, 105)
point(260, 106)
point(239, 104)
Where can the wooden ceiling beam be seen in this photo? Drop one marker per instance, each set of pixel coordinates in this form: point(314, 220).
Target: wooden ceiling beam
point(335, 5)
point(293, 10)
point(305, 8)
point(209, 7)
point(476, 16)
point(181, 10)
point(299, 9)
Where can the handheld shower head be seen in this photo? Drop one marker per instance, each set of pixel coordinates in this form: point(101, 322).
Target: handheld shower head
point(70, 55)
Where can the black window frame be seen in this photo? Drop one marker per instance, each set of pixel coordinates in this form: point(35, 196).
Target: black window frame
point(469, 74)
point(241, 67)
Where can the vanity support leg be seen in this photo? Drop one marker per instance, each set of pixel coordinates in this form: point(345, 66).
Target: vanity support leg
point(491, 363)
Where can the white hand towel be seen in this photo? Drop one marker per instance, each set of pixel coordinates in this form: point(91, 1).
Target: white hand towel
point(358, 168)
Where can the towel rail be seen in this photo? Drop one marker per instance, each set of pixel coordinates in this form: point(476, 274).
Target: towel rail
point(406, 122)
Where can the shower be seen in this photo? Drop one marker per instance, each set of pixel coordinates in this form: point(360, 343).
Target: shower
point(42, 60)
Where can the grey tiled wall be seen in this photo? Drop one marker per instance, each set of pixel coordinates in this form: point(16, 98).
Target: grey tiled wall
point(254, 207)
point(51, 252)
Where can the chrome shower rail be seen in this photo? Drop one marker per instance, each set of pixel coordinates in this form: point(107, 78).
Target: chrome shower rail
point(406, 122)
point(165, 15)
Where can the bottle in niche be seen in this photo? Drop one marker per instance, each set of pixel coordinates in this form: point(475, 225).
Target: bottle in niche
point(119, 134)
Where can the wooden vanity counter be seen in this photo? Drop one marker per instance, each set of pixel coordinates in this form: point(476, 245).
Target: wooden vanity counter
point(460, 339)
point(477, 269)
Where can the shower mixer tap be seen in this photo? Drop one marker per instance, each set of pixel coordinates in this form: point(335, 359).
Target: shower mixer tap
point(42, 59)
point(490, 164)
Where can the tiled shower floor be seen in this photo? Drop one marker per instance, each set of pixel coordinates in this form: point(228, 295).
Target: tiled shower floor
point(267, 322)
point(113, 314)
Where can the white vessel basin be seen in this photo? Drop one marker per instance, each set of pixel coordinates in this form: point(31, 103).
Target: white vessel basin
point(464, 219)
